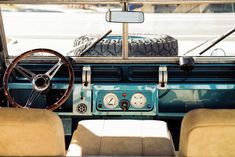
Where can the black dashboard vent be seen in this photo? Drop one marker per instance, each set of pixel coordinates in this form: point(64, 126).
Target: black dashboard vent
point(143, 73)
point(106, 74)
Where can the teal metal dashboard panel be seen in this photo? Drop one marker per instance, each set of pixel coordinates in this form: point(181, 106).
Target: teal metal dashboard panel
point(125, 99)
point(177, 99)
point(172, 101)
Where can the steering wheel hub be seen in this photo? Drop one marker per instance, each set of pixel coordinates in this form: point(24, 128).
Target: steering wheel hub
point(41, 82)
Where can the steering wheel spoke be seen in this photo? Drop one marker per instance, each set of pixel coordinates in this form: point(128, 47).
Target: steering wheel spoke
point(25, 72)
point(51, 73)
point(33, 96)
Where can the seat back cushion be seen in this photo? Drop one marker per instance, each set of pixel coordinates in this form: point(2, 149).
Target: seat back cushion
point(30, 132)
point(121, 137)
point(208, 132)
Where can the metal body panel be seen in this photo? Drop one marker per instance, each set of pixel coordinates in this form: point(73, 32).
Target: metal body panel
point(149, 91)
point(179, 98)
point(82, 96)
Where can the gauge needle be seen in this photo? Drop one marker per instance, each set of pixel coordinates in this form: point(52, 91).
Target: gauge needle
point(110, 101)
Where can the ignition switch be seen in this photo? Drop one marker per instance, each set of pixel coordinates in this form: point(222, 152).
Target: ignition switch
point(124, 104)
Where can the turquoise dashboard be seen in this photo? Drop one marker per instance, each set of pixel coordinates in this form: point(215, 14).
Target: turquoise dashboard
point(133, 99)
point(150, 90)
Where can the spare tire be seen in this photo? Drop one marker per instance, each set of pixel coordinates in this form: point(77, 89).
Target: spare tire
point(163, 45)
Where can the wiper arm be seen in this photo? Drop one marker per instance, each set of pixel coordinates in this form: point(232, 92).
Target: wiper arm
point(217, 40)
point(96, 42)
point(80, 48)
point(213, 41)
point(198, 46)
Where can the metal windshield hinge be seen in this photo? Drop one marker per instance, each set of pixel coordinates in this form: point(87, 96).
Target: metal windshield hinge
point(162, 76)
point(86, 77)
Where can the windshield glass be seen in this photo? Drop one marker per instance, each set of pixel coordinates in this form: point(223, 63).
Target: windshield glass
point(55, 27)
point(191, 25)
point(167, 30)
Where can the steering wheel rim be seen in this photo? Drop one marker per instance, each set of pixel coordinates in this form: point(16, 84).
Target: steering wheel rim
point(14, 63)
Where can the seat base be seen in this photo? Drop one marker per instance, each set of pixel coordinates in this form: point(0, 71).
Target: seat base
point(122, 138)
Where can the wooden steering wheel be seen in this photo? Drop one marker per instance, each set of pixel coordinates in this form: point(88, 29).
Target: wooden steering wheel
point(40, 82)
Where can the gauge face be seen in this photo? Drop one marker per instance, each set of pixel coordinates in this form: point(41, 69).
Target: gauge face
point(138, 100)
point(110, 100)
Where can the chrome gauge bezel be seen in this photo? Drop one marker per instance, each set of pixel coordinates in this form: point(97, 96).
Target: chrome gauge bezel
point(110, 98)
point(138, 100)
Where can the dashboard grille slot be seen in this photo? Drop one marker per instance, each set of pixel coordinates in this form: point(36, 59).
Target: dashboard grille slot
point(106, 74)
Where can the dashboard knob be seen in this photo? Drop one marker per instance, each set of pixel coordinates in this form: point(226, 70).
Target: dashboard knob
point(124, 104)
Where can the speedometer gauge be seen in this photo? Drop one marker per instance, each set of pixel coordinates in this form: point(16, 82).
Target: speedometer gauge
point(110, 100)
point(138, 100)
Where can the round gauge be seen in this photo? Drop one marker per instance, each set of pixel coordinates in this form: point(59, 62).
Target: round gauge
point(110, 100)
point(138, 100)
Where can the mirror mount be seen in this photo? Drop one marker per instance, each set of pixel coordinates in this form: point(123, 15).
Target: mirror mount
point(125, 46)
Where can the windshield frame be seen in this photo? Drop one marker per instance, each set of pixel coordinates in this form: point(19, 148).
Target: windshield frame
point(111, 1)
point(5, 55)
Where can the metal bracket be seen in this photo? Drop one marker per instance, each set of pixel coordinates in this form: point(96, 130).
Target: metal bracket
point(82, 101)
point(125, 35)
point(162, 76)
point(86, 77)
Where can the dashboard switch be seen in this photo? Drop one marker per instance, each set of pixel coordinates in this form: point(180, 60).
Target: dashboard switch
point(149, 106)
point(124, 104)
point(100, 106)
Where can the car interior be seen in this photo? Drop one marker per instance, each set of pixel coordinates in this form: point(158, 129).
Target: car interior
point(115, 95)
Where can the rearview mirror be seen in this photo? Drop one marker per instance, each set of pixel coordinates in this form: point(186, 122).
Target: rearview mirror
point(125, 16)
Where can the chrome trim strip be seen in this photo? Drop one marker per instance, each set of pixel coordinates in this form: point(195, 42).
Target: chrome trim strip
point(86, 77)
point(109, 60)
point(162, 77)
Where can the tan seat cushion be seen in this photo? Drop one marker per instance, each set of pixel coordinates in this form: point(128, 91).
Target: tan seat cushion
point(30, 132)
point(208, 132)
point(121, 137)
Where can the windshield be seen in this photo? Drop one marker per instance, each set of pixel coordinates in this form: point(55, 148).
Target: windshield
point(168, 29)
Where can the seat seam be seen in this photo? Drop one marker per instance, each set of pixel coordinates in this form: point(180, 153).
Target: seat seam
point(142, 139)
point(101, 138)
